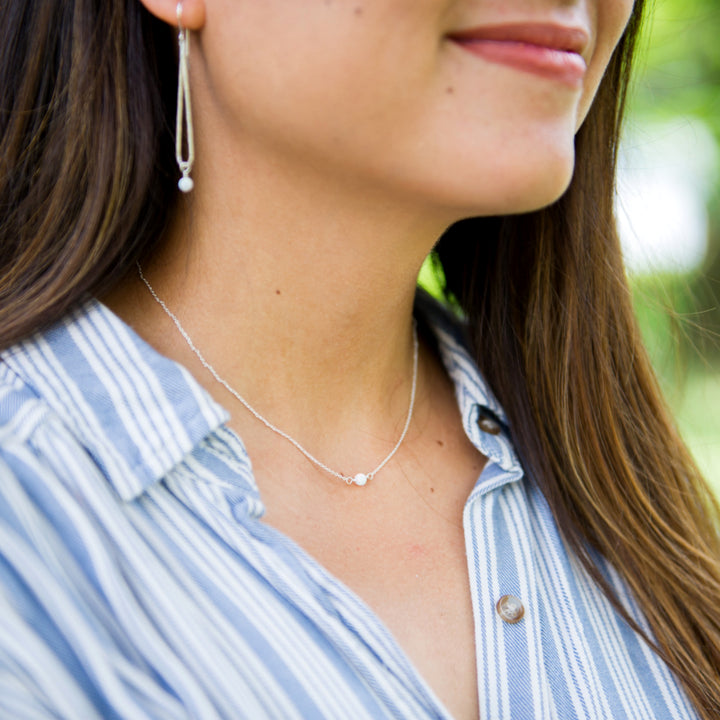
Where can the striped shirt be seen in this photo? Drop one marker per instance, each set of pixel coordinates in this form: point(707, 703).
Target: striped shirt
point(137, 580)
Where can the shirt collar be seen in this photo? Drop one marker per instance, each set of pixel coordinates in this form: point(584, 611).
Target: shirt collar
point(474, 397)
point(136, 412)
point(140, 414)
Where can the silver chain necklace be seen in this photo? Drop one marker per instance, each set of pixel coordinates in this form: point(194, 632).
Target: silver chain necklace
point(360, 478)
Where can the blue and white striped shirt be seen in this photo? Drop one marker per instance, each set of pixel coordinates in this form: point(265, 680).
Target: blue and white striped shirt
point(137, 581)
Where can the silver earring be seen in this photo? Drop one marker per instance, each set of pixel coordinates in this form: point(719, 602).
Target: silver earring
point(183, 117)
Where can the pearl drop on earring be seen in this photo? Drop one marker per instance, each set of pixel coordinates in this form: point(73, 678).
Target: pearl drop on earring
point(186, 184)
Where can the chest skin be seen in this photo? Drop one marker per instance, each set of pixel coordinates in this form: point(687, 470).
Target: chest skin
point(410, 568)
point(398, 543)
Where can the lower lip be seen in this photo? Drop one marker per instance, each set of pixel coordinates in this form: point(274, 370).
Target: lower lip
point(563, 66)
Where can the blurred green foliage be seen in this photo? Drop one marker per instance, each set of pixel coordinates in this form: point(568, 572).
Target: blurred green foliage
point(679, 78)
point(670, 323)
point(679, 69)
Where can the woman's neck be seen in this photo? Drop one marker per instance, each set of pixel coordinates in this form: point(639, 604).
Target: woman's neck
point(307, 314)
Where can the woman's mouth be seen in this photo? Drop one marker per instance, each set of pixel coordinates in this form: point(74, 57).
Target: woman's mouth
point(550, 51)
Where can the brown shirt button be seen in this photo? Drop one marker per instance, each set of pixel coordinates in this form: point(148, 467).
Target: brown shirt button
point(510, 609)
point(487, 423)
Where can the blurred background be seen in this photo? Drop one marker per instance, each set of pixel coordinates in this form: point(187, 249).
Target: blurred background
point(668, 207)
point(668, 210)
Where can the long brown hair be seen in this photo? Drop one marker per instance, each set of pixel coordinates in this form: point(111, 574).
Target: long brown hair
point(86, 157)
point(86, 187)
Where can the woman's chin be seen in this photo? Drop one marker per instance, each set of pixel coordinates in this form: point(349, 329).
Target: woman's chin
point(491, 186)
point(544, 182)
point(544, 196)
point(524, 196)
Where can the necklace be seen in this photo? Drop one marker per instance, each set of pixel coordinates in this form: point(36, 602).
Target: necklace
point(359, 479)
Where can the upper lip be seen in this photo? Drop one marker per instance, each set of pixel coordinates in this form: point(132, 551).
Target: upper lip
point(556, 37)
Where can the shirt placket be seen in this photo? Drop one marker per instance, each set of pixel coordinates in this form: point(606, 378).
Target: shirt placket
point(512, 682)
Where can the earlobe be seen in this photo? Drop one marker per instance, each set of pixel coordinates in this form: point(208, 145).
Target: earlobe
point(193, 12)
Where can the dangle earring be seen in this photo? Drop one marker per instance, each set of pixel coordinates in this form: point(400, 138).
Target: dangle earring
point(183, 117)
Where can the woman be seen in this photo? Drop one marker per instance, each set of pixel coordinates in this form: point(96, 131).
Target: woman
point(390, 538)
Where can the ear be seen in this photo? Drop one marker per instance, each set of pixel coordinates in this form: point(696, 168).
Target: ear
point(193, 12)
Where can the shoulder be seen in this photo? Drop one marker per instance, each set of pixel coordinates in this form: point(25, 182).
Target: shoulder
point(36, 442)
point(42, 463)
point(45, 473)
point(21, 409)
